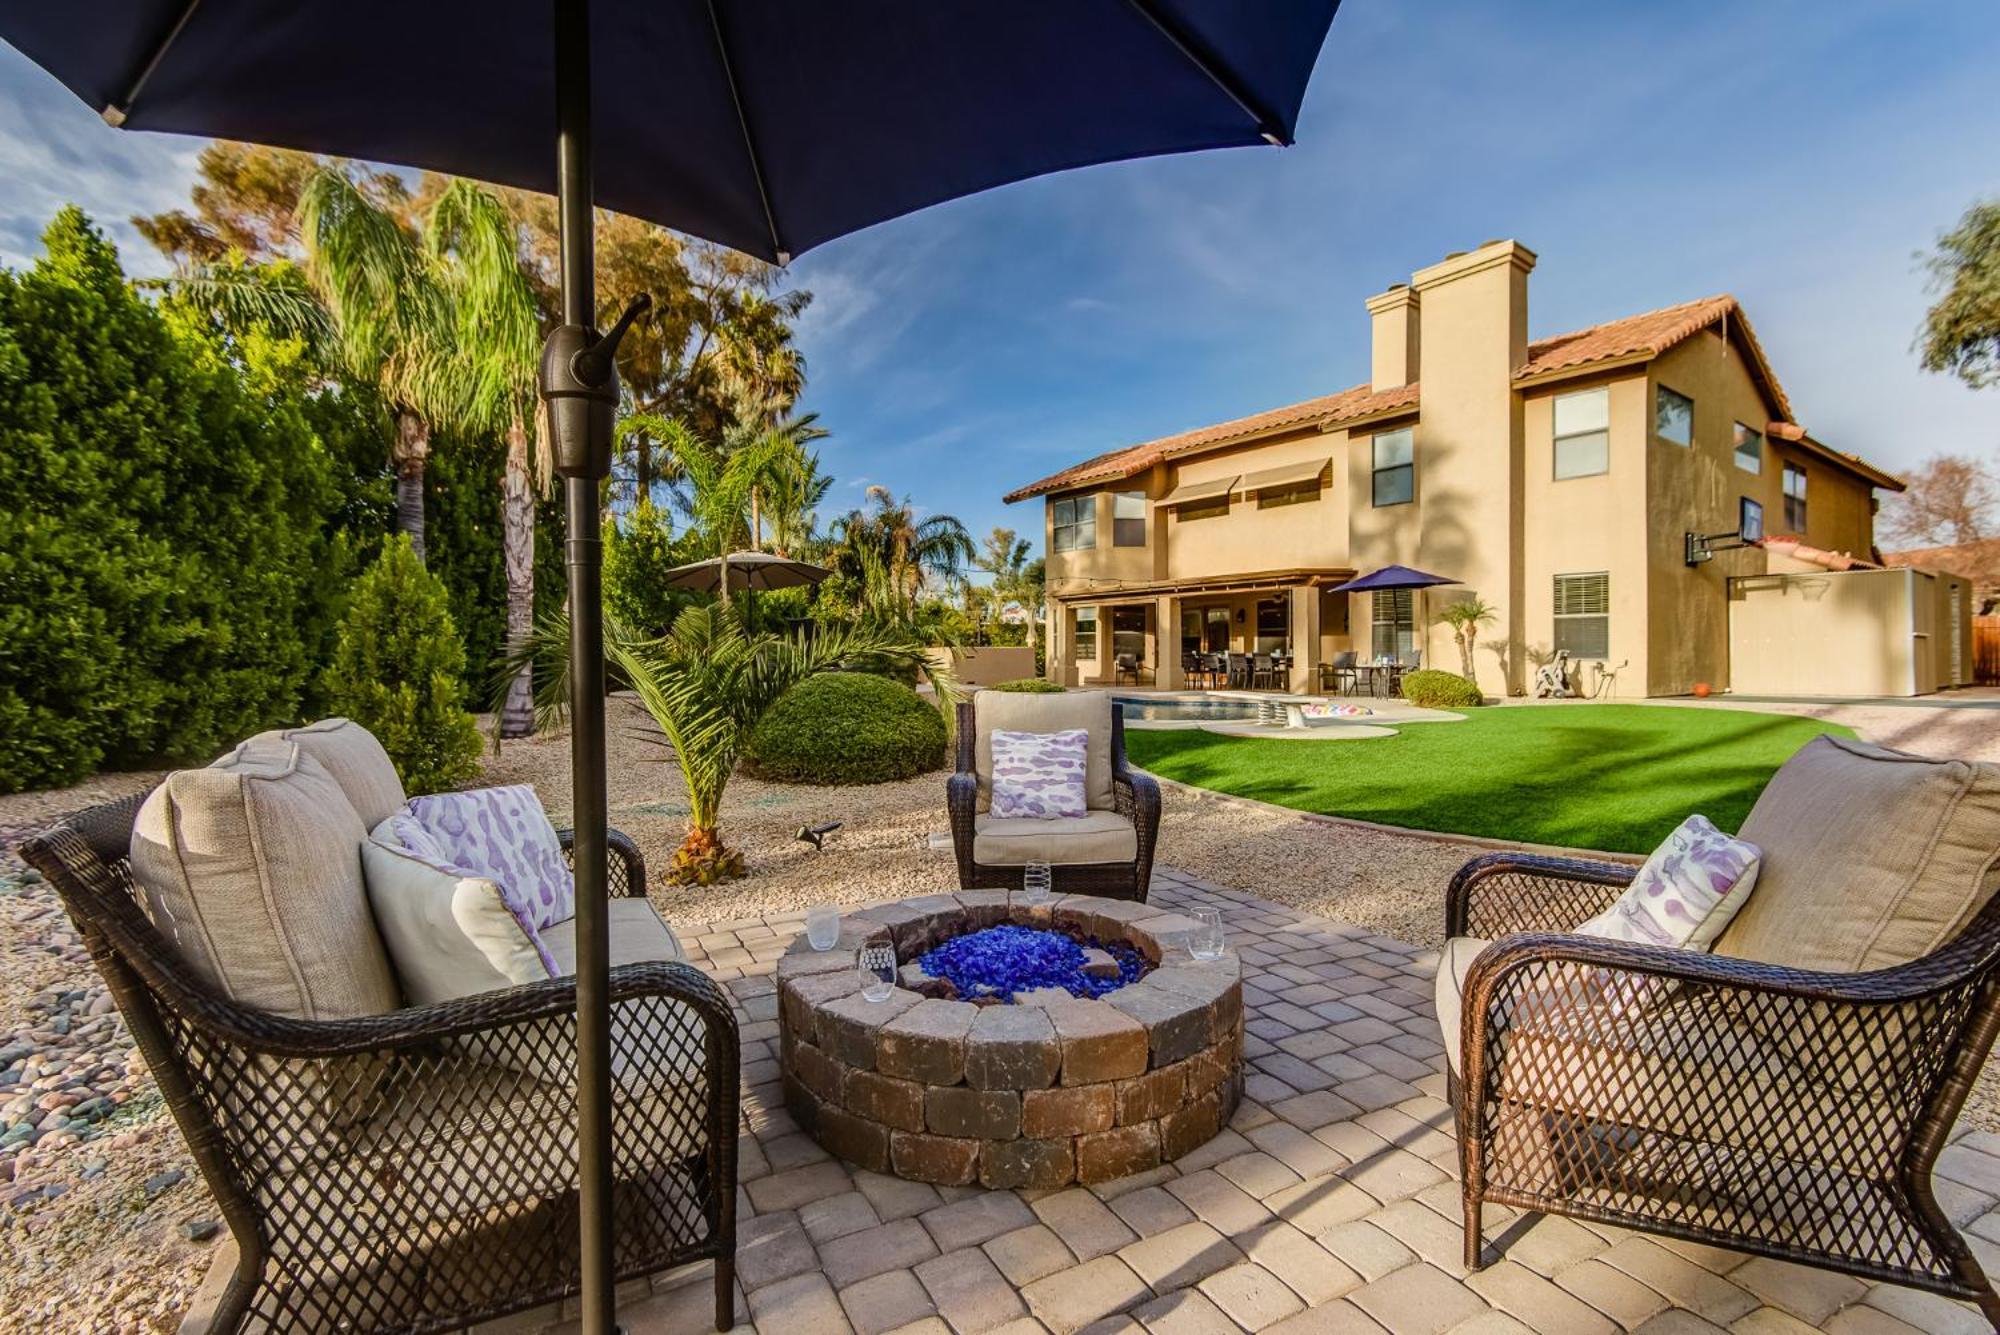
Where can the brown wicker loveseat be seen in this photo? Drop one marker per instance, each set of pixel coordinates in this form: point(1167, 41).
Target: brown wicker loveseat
point(1784, 1096)
point(416, 1170)
point(1108, 852)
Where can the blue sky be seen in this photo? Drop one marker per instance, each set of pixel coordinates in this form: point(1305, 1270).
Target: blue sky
point(1796, 154)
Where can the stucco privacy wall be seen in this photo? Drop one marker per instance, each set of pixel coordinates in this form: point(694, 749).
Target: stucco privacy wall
point(1872, 632)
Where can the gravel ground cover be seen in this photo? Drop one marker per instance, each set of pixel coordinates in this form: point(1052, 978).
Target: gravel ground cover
point(106, 1225)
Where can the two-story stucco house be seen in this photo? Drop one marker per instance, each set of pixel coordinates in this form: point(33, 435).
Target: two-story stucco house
point(1557, 480)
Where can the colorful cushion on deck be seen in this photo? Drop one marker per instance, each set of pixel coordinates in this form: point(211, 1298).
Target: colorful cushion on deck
point(1686, 893)
point(1039, 775)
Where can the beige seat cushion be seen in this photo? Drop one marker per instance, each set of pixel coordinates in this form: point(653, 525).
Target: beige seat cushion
point(1872, 857)
point(1453, 965)
point(638, 935)
point(252, 868)
point(1095, 836)
point(357, 762)
point(1018, 712)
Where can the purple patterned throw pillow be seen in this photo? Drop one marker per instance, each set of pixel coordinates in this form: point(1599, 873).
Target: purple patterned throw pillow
point(1039, 774)
point(501, 835)
point(1686, 893)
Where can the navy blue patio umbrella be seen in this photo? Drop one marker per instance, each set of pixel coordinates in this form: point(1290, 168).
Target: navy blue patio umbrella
point(1394, 577)
point(765, 125)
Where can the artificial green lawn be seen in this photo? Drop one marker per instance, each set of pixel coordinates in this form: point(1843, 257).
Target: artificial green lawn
point(1612, 777)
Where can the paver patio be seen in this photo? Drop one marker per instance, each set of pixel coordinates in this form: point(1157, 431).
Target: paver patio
point(1329, 1205)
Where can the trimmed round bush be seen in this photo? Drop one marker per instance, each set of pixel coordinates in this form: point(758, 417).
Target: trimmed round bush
point(1432, 688)
point(1029, 686)
point(847, 728)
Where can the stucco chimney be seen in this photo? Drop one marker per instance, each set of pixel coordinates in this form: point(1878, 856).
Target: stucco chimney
point(1392, 318)
point(1474, 327)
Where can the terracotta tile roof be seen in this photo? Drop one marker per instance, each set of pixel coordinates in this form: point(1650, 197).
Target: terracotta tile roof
point(1976, 561)
point(1329, 409)
point(1642, 336)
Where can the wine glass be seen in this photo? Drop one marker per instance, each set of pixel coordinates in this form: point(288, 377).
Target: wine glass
point(878, 972)
point(1037, 880)
point(1205, 941)
point(823, 927)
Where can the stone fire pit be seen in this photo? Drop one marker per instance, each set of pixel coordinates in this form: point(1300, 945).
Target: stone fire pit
point(1048, 1090)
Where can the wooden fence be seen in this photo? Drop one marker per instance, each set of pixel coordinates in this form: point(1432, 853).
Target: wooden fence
point(1986, 650)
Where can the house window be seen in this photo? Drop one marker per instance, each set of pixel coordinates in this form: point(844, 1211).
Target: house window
point(1128, 519)
point(1795, 499)
point(1583, 615)
point(1395, 468)
point(1583, 434)
point(1395, 623)
point(1293, 493)
point(1086, 633)
point(1128, 633)
point(1749, 520)
point(1673, 416)
point(1749, 449)
point(1076, 523)
point(1212, 508)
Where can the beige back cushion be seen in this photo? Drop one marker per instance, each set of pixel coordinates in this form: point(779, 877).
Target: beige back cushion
point(1872, 857)
point(357, 762)
point(1018, 712)
point(252, 867)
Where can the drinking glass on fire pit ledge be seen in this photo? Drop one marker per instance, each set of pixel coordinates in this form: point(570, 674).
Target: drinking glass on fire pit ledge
point(1204, 940)
point(878, 972)
point(823, 927)
point(1037, 879)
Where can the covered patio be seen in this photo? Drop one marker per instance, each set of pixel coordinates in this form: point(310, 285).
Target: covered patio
point(1329, 1204)
point(1156, 633)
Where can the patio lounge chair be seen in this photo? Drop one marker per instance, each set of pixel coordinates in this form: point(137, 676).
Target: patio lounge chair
point(1786, 1095)
point(414, 1169)
point(1108, 851)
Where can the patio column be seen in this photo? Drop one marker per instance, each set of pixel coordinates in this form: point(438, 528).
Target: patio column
point(1167, 643)
point(1305, 630)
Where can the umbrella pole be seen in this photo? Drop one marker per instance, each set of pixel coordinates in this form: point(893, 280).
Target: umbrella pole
point(585, 557)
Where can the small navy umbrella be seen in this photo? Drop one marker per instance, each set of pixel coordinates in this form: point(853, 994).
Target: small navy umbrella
point(767, 125)
point(1394, 577)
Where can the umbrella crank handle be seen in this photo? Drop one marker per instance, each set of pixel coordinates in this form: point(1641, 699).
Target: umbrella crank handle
point(594, 365)
point(579, 384)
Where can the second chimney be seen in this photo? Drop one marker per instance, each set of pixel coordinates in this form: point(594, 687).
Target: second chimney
point(1393, 328)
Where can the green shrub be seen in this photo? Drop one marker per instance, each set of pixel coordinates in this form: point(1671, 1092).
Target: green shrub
point(398, 669)
point(1029, 686)
point(847, 728)
point(171, 518)
point(1432, 688)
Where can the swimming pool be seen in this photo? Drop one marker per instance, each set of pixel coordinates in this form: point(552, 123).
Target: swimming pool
point(1220, 709)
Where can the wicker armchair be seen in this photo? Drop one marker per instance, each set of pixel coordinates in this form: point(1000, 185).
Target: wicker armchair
point(1136, 796)
point(416, 1171)
point(1777, 1111)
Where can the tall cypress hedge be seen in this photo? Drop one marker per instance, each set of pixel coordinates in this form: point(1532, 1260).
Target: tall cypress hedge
point(176, 510)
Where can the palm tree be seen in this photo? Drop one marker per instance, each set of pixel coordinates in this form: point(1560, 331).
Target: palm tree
point(792, 495)
point(1465, 617)
point(1015, 577)
point(712, 485)
point(472, 245)
point(706, 683)
point(390, 318)
point(790, 436)
point(914, 554)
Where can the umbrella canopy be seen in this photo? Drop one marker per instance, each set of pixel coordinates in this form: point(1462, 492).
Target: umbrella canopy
point(765, 125)
point(756, 571)
point(760, 124)
point(1392, 577)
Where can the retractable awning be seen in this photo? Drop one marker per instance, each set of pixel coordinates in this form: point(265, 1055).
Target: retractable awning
point(1284, 475)
point(1199, 491)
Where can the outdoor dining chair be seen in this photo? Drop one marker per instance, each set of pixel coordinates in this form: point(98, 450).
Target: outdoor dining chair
point(1339, 675)
point(1263, 674)
point(1123, 666)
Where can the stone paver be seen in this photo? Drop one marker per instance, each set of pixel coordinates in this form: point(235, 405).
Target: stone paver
point(1327, 1206)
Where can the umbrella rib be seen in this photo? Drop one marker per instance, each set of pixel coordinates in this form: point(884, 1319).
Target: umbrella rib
point(115, 113)
point(1218, 73)
point(749, 139)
